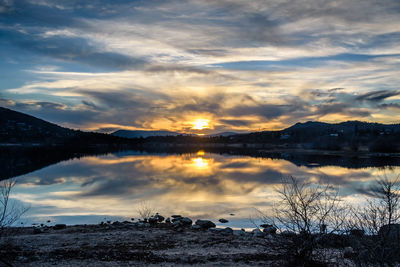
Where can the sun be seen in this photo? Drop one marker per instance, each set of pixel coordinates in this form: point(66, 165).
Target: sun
point(200, 124)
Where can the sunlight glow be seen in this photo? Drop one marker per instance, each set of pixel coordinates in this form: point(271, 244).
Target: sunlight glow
point(200, 124)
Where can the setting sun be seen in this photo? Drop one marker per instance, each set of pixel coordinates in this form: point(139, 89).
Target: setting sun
point(200, 124)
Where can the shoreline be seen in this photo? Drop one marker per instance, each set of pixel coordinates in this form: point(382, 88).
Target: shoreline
point(132, 244)
point(177, 243)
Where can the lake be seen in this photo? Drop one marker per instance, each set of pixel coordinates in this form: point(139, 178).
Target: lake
point(204, 185)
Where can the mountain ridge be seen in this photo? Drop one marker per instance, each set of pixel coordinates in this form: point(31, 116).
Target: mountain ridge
point(143, 133)
point(20, 128)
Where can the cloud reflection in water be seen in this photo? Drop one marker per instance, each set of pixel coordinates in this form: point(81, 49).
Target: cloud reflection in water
point(197, 185)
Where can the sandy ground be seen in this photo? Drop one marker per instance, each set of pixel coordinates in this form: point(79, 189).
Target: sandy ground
point(128, 245)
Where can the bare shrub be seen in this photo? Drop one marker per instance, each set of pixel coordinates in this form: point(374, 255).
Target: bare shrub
point(145, 210)
point(307, 208)
point(387, 196)
point(383, 207)
point(10, 211)
point(382, 210)
point(308, 212)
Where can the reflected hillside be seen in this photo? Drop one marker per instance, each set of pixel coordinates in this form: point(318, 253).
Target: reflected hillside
point(298, 157)
point(15, 160)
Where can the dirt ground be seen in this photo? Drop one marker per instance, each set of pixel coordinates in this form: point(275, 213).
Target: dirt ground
point(128, 245)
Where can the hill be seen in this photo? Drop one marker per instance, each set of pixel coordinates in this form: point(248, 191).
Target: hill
point(20, 128)
point(16, 127)
point(143, 134)
point(223, 134)
point(351, 135)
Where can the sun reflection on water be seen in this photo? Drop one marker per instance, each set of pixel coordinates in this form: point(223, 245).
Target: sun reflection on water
point(200, 163)
point(200, 153)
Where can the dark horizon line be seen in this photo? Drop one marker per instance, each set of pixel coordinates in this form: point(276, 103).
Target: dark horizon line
point(216, 134)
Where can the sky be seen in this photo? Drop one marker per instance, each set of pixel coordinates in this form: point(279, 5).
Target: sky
point(200, 66)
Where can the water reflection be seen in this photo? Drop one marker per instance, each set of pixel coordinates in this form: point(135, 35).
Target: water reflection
point(199, 185)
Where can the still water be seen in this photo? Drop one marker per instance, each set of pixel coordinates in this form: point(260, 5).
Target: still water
point(198, 185)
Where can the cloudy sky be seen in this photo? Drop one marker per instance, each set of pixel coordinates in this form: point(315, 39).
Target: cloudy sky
point(230, 65)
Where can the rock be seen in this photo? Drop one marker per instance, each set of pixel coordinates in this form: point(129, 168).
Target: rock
point(196, 227)
point(153, 220)
point(205, 224)
point(357, 232)
point(270, 230)
point(183, 220)
point(232, 214)
point(59, 226)
point(176, 216)
point(168, 220)
point(159, 217)
point(177, 223)
point(288, 233)
point(348, 252)
point(222, 231)
point(117, 223)
point(143, 225)
point(239, 233)
point(390, 232)
point(186, 221)
point(226, 231)
point(37, 231)
point(223, 220)
point(258, 233)
point(22, 259)
point(215, 230)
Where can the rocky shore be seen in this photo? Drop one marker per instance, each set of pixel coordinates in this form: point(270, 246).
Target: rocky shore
point(175, 241)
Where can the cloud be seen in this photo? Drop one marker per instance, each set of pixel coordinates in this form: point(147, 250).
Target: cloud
point(245, 65)
point(5, 6)
point(342, 108)
point(377, 96)
point(236, 122)
point(389, 106)
point(71, 49)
